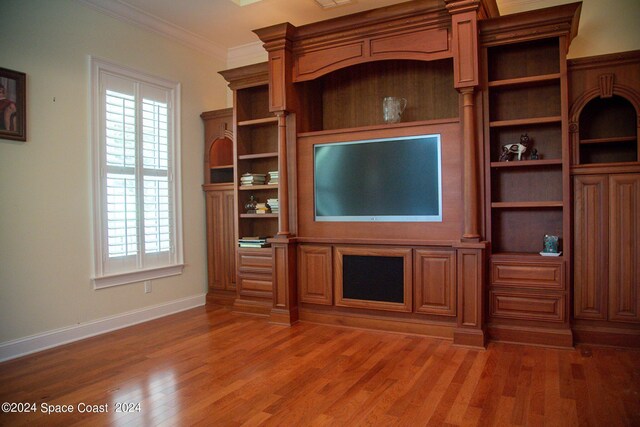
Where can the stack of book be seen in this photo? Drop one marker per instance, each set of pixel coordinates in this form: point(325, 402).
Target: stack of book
point(249, 179)
point(253, 242)
point(274, 205)
point(263, 208)
point(273, 177)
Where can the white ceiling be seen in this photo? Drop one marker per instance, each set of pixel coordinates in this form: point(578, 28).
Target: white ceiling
point(220, 26)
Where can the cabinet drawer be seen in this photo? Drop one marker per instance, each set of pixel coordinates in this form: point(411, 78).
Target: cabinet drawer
point(259, 260)
point(513, 305)
point(528, 274)
point(255, 285)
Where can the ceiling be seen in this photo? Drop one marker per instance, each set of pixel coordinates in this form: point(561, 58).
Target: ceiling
point(222, 26)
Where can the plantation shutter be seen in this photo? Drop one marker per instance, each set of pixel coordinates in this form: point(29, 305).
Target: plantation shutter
point(138, 206)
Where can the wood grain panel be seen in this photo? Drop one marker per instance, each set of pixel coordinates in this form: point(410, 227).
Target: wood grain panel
point(513, 305)
point(522, 274)
point(425, 41)
point(624, 247)
point(435, 282)
point(591, 242)
point(315, 274)
point(331, 58)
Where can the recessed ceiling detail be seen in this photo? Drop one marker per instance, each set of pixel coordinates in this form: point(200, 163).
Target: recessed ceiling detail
point(244, 2)
point(326, 4)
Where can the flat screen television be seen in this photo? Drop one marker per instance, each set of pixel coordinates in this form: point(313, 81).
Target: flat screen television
point(386, 180)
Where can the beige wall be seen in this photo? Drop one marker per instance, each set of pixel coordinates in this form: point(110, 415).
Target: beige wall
point(606, 26)
point(45, 194)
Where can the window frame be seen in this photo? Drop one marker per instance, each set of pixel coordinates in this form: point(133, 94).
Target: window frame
point(103, 276)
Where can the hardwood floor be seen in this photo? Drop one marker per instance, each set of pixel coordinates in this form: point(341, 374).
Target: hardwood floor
point(208, 366)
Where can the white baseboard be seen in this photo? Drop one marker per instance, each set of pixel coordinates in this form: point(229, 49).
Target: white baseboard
point(34, 343)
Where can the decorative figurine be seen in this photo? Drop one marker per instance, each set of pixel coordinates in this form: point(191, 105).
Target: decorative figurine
point(550, 246)
point(509, 150)
point(251, 205)
point(534, 154)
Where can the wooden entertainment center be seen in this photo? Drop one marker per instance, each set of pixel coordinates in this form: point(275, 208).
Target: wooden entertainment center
point(479, 81)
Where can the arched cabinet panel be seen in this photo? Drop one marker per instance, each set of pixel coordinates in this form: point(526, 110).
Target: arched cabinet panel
point(604, 129)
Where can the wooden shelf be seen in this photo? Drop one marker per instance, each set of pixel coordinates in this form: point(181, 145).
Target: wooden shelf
point(520, 205)
point(609, 139)
point(268, 215)
point(259, 122)
point(524, 81)
point(528, 256)
point(527, 163)
point(258, 156)
point(258, 187)
point(221, 167)
point(416, 123)
point(526, 122)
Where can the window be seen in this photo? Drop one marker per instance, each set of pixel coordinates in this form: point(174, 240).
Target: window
point(136, 147)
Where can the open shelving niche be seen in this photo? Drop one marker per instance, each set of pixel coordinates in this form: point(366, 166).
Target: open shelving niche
point(350, 99)
point(257, 152)
point(526, 198)
point(525, 91)
point(608, 132)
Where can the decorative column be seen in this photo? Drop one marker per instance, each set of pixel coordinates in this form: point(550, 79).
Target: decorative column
point(471, 176)
point(283, 171)
point(278, 43)
point(470, 252)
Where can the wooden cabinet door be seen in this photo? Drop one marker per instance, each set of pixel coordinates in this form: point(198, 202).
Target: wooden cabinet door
point(624, 247)
point(315, 274)
point(591, 225)
point(221, 259)
point(229, 251)
point(435, 282)
point(215, 239)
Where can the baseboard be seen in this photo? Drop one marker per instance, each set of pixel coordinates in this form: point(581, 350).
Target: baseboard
point(34, 343)
point(560, 338)
point(608, 336)
point(258, 308)
point(219, 297)
point(367, 321)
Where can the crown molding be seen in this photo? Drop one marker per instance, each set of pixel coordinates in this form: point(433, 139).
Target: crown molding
point(246, 54)
point(132, 15)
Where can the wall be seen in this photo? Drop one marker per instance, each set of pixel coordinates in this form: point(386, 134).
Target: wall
point(606, 26)
point(45, 183)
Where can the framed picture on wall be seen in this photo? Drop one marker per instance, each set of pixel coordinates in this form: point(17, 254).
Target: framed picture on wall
point(13, 108)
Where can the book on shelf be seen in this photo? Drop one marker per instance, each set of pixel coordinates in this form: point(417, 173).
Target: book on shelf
point(254, 245)
point(274, 205)
point(273, 177)
point(248, 179)
point(263, 208)
point(253, 242)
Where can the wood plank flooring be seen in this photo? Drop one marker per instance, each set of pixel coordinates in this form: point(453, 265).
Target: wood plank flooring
point(208, 366)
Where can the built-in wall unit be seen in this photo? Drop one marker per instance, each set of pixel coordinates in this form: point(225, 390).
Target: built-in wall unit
point(604, 120)
point(432, 168)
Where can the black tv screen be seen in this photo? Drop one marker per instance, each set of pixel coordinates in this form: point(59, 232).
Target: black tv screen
point(392, 180)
